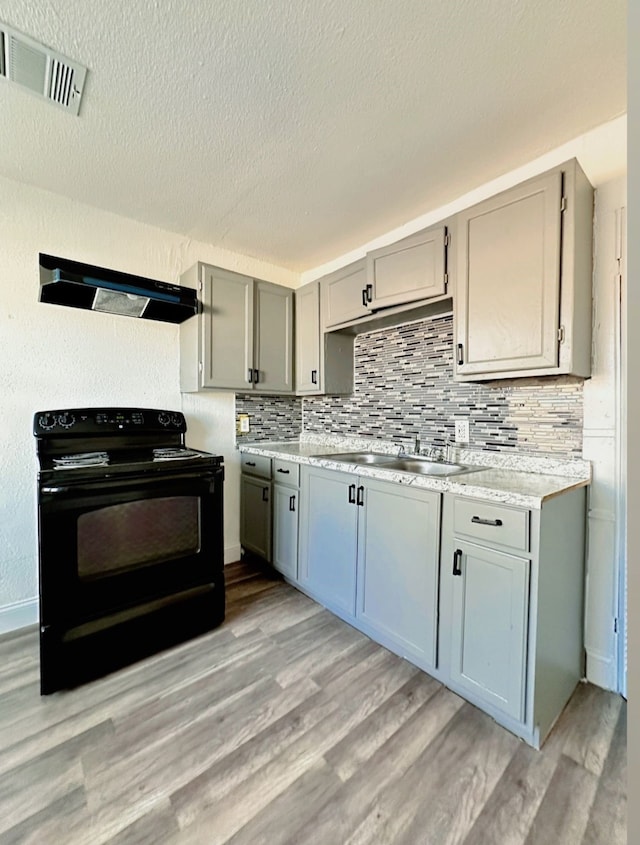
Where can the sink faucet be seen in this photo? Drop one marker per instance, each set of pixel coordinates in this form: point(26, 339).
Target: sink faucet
point(416, 447)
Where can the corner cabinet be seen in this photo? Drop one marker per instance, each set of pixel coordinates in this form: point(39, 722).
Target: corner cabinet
point(324, 360)
point(523, 280)
point(242, 339)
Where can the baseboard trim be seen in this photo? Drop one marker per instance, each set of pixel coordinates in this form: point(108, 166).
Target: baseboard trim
point(21, 614)
point(232, 554)
point(601, 672)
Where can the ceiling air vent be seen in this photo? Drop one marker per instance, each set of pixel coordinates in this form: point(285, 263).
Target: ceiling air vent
point(41, 70)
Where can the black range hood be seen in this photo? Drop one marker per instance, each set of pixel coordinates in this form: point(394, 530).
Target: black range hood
point(65, 282)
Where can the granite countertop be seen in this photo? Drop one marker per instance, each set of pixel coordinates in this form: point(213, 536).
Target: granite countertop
point(529, 486)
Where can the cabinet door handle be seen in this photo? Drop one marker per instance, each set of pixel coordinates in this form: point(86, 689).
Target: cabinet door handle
point(284, 471)
point(457, 558)
point(352, 494)
point(369, 292)
point(250, 463)
point(364, 297)
point(256, 376)
point(478, 520)
point(292, 503)
point(360, 501)
point(250, 375)
point(314, 376)
point(265, 494)
point(460, 354)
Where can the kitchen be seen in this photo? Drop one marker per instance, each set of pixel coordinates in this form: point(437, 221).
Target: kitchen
point(75, 358)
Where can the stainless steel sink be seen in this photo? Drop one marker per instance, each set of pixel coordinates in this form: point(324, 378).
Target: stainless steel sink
point(372, 458)
point(424, 466)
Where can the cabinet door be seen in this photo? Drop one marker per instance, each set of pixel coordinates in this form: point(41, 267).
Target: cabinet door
point(343, 294)
point(285, 530)
point(228, 329)
point(489, 626)
point(255, 515)
point(398, 550)
point(411, 269)
point(508, 280)
point(308, 375)
point(273, 367)
point(328, 538)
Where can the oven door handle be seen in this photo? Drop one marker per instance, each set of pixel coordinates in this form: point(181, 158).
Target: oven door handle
point(110, 485)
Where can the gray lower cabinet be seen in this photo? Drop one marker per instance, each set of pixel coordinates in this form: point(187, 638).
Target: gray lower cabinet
point(329, 538)
point(369, 550)
point(511, 607)
point(398, 551)
point(255, 505)
point(489, 623)
point(286, 499)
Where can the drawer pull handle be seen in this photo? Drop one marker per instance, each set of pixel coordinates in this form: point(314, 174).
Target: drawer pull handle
point(369, 292)
point(457, 557)
point(460, 355)
point(364, 297)
point(250, 376)
point(352, 494)
point(314, 376)
point(250, 463)
point(284, 471)
point(361, 496)
point(265, 494)
point(292, 503)
point(478, 520)
point(256, 376)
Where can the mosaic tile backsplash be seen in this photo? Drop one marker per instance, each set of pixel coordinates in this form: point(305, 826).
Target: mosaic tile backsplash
point(271, 417)
point(404, 387)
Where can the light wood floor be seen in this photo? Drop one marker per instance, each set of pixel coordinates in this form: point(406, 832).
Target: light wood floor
point(287, 726)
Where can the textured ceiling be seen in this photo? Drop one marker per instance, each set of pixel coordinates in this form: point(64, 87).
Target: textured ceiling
point(296, 131)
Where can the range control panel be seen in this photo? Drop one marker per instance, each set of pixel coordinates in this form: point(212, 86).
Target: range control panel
point(78, 421)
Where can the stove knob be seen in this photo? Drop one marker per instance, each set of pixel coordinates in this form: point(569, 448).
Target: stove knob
point(66, 420)
point(175, 420)
point(46, 421)
point(164, 419)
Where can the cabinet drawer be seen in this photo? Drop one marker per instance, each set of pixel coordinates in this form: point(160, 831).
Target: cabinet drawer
point(256, 465)
point(490, 523)
point(286, 472)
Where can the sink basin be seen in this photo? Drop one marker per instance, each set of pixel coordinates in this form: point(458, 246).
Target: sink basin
point(372, 458)
point(423, 466)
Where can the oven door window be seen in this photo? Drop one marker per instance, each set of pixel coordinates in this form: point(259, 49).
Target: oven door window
point(122, 537)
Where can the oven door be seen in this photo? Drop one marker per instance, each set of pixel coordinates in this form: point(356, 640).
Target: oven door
point(110, 544)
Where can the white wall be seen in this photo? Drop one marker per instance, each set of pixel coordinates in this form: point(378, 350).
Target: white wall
point(55, 357)
point(601, 443)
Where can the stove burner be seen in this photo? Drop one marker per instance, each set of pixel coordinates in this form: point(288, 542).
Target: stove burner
point(82, 459)
point(174, 454)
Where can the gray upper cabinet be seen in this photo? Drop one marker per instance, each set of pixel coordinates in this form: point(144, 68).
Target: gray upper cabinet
point(345, 295)
point(408, 270)
point(273, 359)
point(242, 340)
point(324, 360)
point(523, 280)
point(308, 338)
